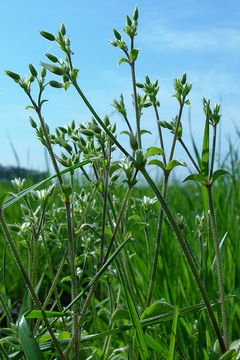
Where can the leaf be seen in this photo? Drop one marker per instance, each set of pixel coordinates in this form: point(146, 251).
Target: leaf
point(29, 344)
point(145, 132)
point(156, 162)
point(156, 346)
point(120, 314)
point(196, 177)
point(123, 60)
point(138, 331)
point(38, 314)
point(217, 174)
point(205, 146)
point(133, 54)
point(153, 150)
point(157, 308)
point(173, 163)
point(173, 334)
point(229, 355)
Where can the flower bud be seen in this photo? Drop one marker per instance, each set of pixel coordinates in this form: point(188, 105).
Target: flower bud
point(133, 142)
point(56, 70)
point(12, 75)
point(47, 35)
point(135, 14)
point(43, 72)
point(32, 69)
point(51, 57)
point(117, 34)
point(184, 78)
point(32, 122)
point(62, 29)
point(55, 84)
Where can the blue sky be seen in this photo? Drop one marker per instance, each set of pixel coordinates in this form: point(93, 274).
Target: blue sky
point(199, 37)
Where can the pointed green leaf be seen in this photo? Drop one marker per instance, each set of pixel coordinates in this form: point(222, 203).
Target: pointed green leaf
point(157, 308)
point(156, 346)
point(133, 54)
point(153, 150)
point(120, 314)
point(38, 314)
point(205, 146)
point(196, 177)
point(29, 344)
point(229, 355)
point(123, 60)
point(156, 162)
point(173, 334)
point(217, 174)
point(3, 198)
point(173, 163)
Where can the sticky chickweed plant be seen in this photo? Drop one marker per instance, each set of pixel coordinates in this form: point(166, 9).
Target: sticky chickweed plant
point(92, 255)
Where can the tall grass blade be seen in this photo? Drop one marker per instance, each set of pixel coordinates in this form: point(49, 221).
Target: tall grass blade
point(173, 334)
point(30, 346)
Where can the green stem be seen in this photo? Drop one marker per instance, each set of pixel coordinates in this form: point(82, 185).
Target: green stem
point(28, 283)
point(219, 265)
point(73, 277)
point(160, 134)
point(132, 64)
point(176, 130)
point(189, 155)
point(156, 251)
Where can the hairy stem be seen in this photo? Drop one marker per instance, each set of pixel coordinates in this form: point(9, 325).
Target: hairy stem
point(219, 266)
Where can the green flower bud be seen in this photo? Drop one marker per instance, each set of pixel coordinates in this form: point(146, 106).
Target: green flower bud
point(140, 160)
point(184, 78)
point(113, 43)
point(43, 72)
point(47, 35)
point(55, 84)
point(32, 69)
point(135, 14)
point(32, 122)
point(128, 21)
point(67, 192)
point(117, 34)
point(51, 57)
point(106, 121)
point(65, 78)
point(12, 75)
point(133, 142)
point(62, 29)
point(87, 132)
point(56, 70)
point(67, 41)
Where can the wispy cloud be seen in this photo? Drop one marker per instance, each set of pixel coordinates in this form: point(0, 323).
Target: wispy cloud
point(208, 39)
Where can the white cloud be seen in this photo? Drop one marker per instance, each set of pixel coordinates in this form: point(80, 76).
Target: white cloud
point(207, 39)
